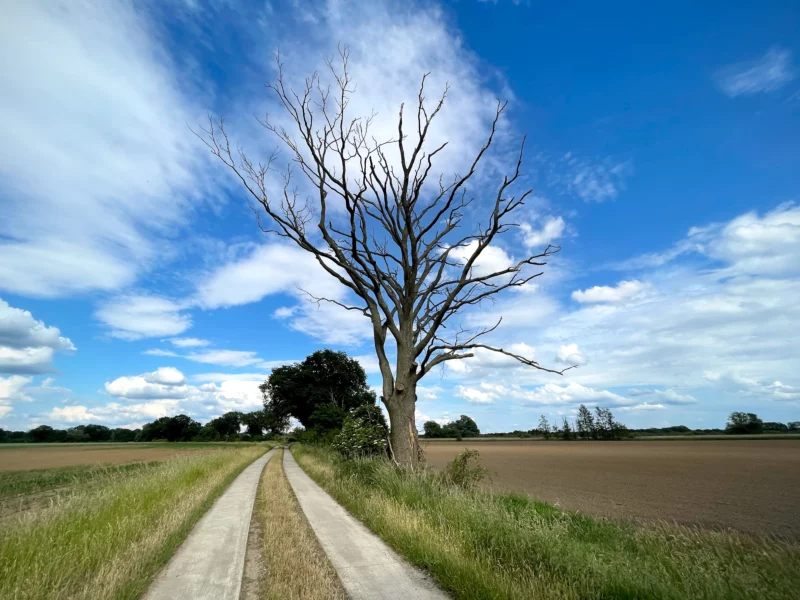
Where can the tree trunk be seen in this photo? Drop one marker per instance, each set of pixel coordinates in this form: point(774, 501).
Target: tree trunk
point(403, 434)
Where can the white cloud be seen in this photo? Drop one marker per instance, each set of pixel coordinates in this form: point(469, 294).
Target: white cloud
point(766, 74)
point(721, 309)
point(624, 290)
point(492, 259)
point(571, 394)
point(188, 342)
point(27, 345)
point(475, 395)
point(748, 386)
point(73, 414)
point(219, 377)
point(164, 383)
point(137, 317)
point(97, 167)
point(552, 229)
point(590, 181)
point(369, 362)
point(666, 396)
point(160, 352)
point(12, 389)
point(18, 329)
point(641, 407)
point(570, 354)
point(230, 358)
point(263, 271)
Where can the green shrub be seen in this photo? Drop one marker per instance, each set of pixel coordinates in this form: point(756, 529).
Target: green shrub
point(465, 470)
point(363, 433)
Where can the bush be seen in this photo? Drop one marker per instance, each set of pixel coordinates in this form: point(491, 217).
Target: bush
point(363, 433)
point(465, 470)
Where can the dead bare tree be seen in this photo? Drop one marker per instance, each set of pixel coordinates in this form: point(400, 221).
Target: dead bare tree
point(395, 248)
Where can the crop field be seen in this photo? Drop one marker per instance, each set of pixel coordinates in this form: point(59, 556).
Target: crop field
point(751, 486)
point(24, 457)
point(102, 530)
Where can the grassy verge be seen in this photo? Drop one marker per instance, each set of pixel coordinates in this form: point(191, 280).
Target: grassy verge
point(297, 568)
point(109, 540)
point(481, 545)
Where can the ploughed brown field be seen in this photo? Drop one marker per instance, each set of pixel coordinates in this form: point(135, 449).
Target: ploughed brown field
point(751, 486)
point(48, 456)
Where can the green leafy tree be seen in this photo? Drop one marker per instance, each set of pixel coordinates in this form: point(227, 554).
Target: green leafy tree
point(566, 430)
point(432, 429)
point(120, 434)
point(207, 434)
point(77, 434)
point(326, 381)
point(544, 427)
point(793, 425)
point(254, 422)
point(97, 433)
point(773, 426)
point(585, 423)
point(228, 425)
point(41, 433)
point(466, 426)
point(181, 428)
point(744, 423)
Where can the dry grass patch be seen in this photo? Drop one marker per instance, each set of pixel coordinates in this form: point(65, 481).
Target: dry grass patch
point(297, 568)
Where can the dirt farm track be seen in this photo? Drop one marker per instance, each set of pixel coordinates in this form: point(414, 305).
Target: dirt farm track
point(752, 485)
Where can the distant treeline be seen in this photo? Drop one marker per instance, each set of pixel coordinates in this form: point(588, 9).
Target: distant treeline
point(602, 425)
point(180, 428)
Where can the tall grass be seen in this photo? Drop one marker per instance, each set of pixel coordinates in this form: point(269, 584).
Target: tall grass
point(108, 541)
point(480, 545)
point(296, 566)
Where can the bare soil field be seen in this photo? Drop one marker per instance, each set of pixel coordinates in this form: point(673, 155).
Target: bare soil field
point(48, 456)
point(751, 486)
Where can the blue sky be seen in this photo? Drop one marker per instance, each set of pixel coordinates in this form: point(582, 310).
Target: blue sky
point(662, 148)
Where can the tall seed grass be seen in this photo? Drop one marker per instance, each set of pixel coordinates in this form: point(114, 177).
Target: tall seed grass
point(297, 568)
point(479, 544)
point(109, 541)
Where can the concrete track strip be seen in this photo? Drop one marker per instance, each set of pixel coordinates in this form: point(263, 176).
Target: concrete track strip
point(210, 562)
point(367, 567)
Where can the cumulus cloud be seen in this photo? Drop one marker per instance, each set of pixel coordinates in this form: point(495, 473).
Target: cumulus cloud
point(27, 345)
point(73, 414)
point(491, 260)
point(768, 73)
point(476, 395)
point(748, 386)
point(262, 271)
point(570, 354)
point(552, 228)
point(12, 389)
point(603, 293)
point(163, 383)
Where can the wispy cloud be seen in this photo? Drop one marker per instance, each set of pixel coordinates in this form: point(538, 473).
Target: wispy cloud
point(765, 74)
